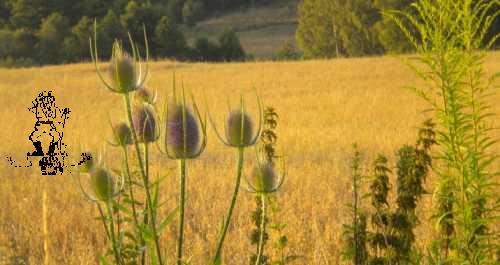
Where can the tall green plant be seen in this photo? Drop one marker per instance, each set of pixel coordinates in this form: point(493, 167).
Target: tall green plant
point(355, 234)
point(450, 38)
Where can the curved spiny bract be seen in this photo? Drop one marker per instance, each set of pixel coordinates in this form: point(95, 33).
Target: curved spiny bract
point(125, 71)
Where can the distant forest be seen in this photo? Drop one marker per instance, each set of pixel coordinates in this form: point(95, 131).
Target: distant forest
point(38, 32)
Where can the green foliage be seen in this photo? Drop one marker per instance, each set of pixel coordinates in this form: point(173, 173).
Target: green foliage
point(287, 52)
point(316, 34)
point(193, 11)
point(77, 44)
point(52, 32)
point(169, 39)
point(230, 48)
point(449, 37)
point(109, 29)
point(355, 233)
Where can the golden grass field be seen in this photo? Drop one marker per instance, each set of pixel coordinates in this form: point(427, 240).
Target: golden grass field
point(324, 106)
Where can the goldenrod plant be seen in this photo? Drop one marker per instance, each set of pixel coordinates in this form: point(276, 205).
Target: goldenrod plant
point(450, 38)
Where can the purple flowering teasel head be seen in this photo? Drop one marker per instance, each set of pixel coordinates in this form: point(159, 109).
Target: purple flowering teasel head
point(145, 124)
point(144, 95)
point(185, 130)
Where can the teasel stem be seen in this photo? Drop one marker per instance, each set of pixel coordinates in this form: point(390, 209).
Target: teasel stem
point(112, 232)
point(132, 197)
point(144, 176)
point(217, 255)
point(263, 199)
point(182, 202)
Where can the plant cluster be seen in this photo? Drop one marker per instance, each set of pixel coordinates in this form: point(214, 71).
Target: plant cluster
point(391, 237)
point(129, 198)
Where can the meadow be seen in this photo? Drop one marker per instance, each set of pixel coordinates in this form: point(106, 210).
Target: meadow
point(324, 105)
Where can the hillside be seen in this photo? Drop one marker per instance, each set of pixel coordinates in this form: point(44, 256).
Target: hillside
point(262, 30)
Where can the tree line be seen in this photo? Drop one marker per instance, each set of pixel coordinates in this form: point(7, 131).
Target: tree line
point(35, 32)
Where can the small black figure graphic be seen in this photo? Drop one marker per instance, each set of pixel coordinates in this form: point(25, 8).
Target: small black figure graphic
point(48, 131)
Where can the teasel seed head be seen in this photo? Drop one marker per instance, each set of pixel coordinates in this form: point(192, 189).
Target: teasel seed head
point(122, 70)
point(102, 184)
point(264, 178)
point(144, 121)
point(125, 71)
point(239, 128)
point(122, 135)
point(182, 131)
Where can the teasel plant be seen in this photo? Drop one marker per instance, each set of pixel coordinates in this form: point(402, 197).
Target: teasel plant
point(138, 132)
point(267, 148)
point(185, 139)
point(355, 234)
point(265, 180)
point(450, 38)
point(104, 190)
point(239, 134)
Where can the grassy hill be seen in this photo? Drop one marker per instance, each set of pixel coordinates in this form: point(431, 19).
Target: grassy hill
point(262, 29)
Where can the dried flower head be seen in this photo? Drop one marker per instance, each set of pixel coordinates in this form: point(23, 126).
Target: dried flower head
point(144, 121)
point(182, 132)
point(239, 129)
point(264, 178)
point(102, 184)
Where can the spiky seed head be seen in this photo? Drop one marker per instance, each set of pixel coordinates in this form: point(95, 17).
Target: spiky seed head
point(102, 184)
point(122, 70)
point(87, 162)
point(175, 132)
point(122, 134)
point(239, 128)
point(143, 95)
point(264, 178)
point(144, 121)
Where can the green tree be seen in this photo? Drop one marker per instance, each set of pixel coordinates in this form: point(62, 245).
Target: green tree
point(52, 32)
point(206, 50)
point(389, 35)
point(316, 34)
point(109, 29)
point(192, 11)
point(76, 46)
point(230, 48)
point(174, 10)
point(168, 39)
point(27, 13)
point(136, 17)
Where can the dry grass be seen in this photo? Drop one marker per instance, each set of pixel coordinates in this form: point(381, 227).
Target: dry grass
point(325, 106)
